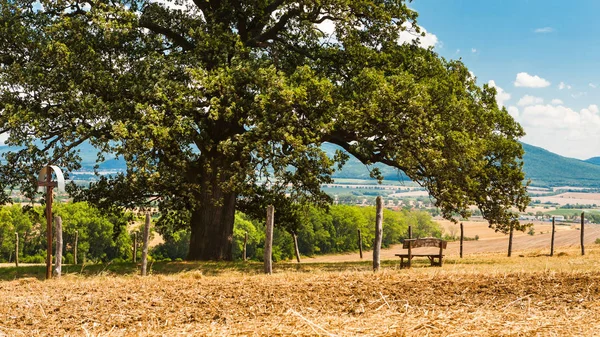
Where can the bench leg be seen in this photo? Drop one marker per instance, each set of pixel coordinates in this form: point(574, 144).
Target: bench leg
point(401, 263)
point(431, 260)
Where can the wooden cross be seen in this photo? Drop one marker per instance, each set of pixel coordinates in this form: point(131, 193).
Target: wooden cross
point(45, 180)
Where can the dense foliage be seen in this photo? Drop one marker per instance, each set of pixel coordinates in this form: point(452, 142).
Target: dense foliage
point(101, 237)
point(218, 106)
point(321, 233)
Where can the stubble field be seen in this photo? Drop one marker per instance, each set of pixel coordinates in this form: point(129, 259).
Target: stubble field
point(482, 295)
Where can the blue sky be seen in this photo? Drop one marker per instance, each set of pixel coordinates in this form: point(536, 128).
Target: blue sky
point(546, 42)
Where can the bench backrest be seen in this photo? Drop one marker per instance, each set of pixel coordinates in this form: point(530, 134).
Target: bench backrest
point(425, 242)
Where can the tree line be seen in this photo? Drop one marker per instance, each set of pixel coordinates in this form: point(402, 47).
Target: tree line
point(321, 232)
point(103, 236)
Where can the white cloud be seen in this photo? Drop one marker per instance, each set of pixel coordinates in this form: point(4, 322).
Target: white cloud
point(556, 101)
point(513, 111)
point(563, 85)
point(530, 100)
point(3, 138)
point(501, 95)
point(473, 50)
point(592, 85)
point(579, 94)
point(544, 30)
point(562, 130)
point(410, 35)
point(529, 81)
point(457, 51)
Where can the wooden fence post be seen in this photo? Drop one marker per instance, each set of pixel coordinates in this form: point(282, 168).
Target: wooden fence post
point(269, 240)
point(410, 247)
point(462, 238)
point(16, 249)
point(145, 247)
point(135, 245)
point(245, 245)
point(75, 247)
point(510, 239)
point(582, 233)
point(552, 240)
point(296, 249)
point(59, 246)
point(378, 234)
point(49, 198)
point(360, 244)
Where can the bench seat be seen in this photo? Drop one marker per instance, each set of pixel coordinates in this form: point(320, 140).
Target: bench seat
point(432, 258)
point(410, 244)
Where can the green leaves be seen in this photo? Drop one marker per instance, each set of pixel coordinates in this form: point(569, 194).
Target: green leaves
point(237, 97)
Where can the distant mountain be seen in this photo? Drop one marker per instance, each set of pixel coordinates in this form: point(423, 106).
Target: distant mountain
point(595, 160)
point(545, 168)
point(88, 156)
point(354, 169)
point(542, 167)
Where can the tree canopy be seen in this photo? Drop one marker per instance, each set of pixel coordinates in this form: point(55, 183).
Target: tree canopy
point(218, 105)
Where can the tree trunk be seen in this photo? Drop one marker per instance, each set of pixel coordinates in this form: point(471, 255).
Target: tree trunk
point(212, 227)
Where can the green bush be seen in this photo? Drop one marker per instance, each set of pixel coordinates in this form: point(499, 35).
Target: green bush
point(34, 259)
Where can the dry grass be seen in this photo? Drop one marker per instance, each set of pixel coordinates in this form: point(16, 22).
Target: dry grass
point(482, 295)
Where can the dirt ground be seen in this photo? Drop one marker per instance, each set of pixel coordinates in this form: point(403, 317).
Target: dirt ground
point(417, 302)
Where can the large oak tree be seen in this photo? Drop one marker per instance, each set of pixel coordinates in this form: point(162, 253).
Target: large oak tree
point(218, 105)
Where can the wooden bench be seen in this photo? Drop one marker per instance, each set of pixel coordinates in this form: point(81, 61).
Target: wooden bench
point(411, 244)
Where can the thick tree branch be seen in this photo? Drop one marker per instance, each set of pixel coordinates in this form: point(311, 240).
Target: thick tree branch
point(367, 160)
point(176, 38)
point(272, 32)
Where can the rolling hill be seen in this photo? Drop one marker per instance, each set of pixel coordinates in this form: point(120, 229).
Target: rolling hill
point(595, 160)
point(545, 168)
point(542, 167)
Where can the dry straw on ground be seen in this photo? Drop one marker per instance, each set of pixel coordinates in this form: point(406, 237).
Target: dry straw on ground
point(493, 297)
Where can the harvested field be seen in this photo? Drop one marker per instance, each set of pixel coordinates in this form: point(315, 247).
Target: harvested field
point(486, 296)
point(572, 198)
point(566, 237)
